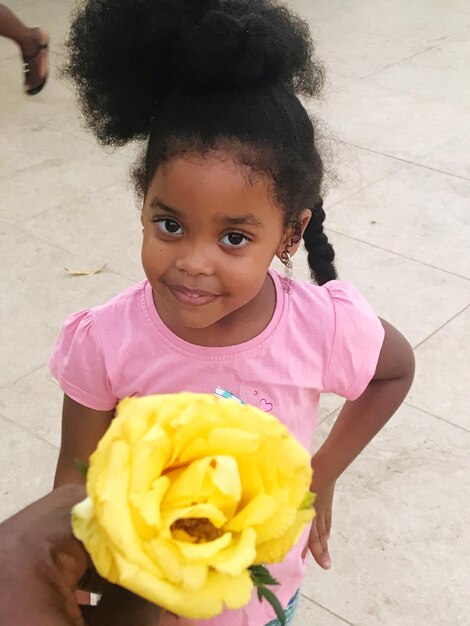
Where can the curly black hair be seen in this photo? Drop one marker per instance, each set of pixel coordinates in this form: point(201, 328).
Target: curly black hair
point(198, 75)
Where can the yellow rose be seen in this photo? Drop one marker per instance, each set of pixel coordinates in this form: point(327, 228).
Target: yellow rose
point(187, 491)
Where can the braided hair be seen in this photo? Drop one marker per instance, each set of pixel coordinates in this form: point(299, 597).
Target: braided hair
point(203, 75)
point(320, 252)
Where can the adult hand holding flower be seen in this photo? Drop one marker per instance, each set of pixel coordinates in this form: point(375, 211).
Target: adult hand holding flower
point(41, 563)
point(186, 493)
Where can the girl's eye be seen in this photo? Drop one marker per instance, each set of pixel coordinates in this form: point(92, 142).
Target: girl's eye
point(169, 227)
point(235, 240)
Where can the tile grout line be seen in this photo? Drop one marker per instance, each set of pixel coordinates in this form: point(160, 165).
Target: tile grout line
point(54, 245)
point(403, 256)
point(72, 135)
point(441, 327)
point(363, 187)
point(327, 610)
point(79, 197)
point(13, 382)
point(433, 46)
point(135, 143)
point(329, 414)
point(29, 432)
point(413, 406)
point(385, 67)
point(408, 162)
point(442, 419)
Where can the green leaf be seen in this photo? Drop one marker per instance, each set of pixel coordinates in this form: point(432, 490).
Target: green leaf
point(82, 467)
point(269, 596)
point(308, 501)
point(260, 575)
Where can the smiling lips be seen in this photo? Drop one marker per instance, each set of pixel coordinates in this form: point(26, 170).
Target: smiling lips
point(193, 297)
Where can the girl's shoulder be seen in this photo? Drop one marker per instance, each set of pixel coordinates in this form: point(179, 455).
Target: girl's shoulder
point(114, 318)
point(119, 305)
point(322, 303)
point(337, 322)
point(86, 352)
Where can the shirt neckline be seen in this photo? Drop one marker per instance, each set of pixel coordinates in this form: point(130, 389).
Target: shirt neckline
point(211, 352)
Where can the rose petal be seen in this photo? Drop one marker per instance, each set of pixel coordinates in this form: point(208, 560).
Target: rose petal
point(219, 590)
point(207, 511)
point(275, 551)
point(204, 550)
point(147, 504)
point(255, 512)
point(238, 556)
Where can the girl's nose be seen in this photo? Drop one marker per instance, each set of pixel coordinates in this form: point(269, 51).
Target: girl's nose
point(195, 260)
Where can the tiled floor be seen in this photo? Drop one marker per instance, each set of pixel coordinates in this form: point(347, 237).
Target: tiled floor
point(397, 128)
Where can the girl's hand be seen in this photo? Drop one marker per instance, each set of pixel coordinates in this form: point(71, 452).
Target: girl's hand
point(321, 525)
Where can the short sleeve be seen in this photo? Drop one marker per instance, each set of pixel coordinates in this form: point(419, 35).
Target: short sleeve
point(78, 363)
point(357, 340)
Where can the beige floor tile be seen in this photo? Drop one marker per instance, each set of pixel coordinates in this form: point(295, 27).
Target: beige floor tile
point(34, 402)
point(427, 75)
point(57, 174)
point(451, 156)
point(9, 50)
point(310, 614)
point(442, 382)
point(359, 38)
point(350, 169)
point(399, 544)
point(416, 298)
point(415, 212)
point(40, 297)
point(392, 122)
point(27, 145)
point(329, 403)
point(28, 465)
point(102, 226)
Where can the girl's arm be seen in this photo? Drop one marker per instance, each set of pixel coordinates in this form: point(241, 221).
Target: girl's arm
point(358, 422)
point(82, 428)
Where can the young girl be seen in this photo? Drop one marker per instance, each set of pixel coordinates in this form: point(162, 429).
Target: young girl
point(231, 178)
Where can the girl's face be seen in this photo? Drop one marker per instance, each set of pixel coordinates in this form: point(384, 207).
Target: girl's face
point(209, 237)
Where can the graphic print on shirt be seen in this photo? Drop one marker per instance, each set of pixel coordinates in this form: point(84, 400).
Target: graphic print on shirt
point(222, 393)
point(264, 405)
point(289, 612)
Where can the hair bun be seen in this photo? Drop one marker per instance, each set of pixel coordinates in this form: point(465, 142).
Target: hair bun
point(224, 51)
point(126, 56)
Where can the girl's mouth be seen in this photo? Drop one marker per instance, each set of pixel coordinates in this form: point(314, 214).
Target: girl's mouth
point(193, 297)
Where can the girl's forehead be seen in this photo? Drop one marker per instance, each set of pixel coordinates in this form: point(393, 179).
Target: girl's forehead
point(217, 162)
point(213, 182)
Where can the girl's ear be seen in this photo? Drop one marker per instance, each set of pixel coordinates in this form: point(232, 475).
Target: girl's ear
point(292, 237)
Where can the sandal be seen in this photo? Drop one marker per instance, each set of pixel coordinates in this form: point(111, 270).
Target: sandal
point(31, 69)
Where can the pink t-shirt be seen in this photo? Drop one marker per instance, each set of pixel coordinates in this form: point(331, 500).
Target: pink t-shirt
point(320, 339)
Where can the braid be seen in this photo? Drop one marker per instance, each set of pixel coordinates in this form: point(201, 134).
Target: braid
point(320, 252)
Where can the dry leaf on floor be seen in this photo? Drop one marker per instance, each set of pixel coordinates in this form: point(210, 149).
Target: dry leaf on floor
point(85, 272)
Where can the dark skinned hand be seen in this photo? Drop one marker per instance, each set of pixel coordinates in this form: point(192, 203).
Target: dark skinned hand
point(41, 565)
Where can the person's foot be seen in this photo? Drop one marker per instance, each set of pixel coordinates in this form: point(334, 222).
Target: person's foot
point(35, 60)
